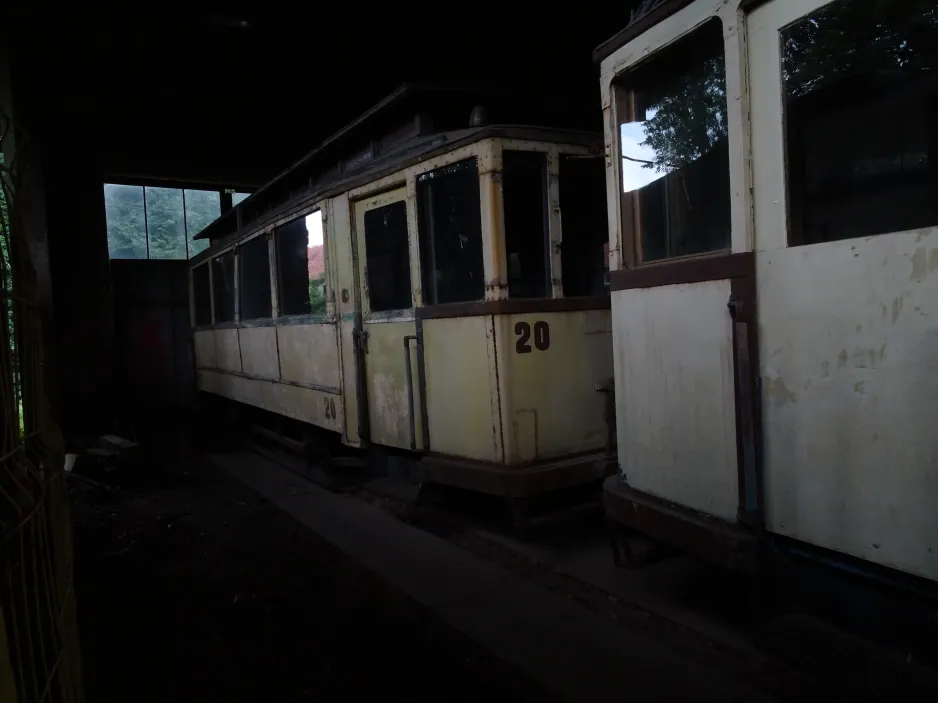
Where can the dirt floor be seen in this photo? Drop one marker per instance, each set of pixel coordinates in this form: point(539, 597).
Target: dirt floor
point(192, 588)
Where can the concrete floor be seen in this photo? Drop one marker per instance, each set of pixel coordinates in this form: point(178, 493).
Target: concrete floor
point(191, 587)
point(560, 645)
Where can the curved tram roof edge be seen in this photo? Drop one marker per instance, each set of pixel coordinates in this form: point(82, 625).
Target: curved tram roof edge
point(409, 154)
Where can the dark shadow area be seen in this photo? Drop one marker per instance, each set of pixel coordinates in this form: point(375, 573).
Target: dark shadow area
point(192, 588)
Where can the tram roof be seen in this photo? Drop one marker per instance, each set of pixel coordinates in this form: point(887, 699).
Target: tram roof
point(389, 136)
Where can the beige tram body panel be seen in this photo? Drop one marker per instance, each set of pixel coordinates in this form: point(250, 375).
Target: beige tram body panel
point(482, 394)
point(844, 371)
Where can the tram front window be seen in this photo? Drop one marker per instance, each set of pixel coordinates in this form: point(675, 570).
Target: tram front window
point(223, 286)
point(450, 231)
point(583, 251)
point(524, 188)
point(674, 149)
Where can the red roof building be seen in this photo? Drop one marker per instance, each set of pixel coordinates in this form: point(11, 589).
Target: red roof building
point(316, 261)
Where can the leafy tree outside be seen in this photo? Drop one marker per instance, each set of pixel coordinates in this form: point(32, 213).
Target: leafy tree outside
point(169, 217)
point(317, 294)
point(686, 104)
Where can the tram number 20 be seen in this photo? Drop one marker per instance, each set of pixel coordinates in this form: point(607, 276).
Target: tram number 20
point(330, 408)
point(541, 336)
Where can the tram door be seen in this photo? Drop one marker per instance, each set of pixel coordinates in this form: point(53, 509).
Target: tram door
point(683, 309)
point(387, 317)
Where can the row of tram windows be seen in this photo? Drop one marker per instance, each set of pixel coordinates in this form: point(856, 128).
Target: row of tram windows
point(450, 234)
point(859, 100)
point(449, 226)
point(300, 279)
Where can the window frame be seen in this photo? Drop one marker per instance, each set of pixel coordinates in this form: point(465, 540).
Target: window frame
point(554, 215)
point(143, 186)
point(239, 276)
point(557, 280)
point(630, 219)
point(424, 284)
point(547, 253)
point(193, 306)
point(233, 250)
point(381, 194)
point(276, 290)
point(622, 252)
point(773, 215)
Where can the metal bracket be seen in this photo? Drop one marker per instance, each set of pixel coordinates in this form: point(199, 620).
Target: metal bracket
point(360, 339)
point(735, 306)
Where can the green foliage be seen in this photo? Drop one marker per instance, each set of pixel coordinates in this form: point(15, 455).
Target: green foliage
point(166, 226)
point(846, 39)
point(317, 294)
point(126, 223)
point(165, 219)
point(689, 114)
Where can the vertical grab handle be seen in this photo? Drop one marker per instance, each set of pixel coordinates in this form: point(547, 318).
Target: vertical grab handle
point(410, 391)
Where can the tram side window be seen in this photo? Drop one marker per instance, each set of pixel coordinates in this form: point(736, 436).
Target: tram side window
point(585, 226)
point(524, 191)
point(450, 230)
point(301, 260)
point(202, 295)
point(387, 258)
point(674, 149)
point(254, 262)
point(861, 116)
point(223, 287)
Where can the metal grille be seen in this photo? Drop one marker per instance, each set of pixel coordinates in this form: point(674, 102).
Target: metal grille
point(39, 658)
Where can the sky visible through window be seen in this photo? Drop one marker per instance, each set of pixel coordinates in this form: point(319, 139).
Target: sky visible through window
point(314, 227)
point(636, 174)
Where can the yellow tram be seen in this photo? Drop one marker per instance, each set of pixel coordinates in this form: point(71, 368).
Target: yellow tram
point(460, 309)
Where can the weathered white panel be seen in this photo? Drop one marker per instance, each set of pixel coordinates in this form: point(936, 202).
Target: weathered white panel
point(204, 343)
point(849, 348)
point(462, 389)
point(227, 350)
point(259, 352)
point(386, 381)
point(309, 355)
point(675, 408)
point(315, 407)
